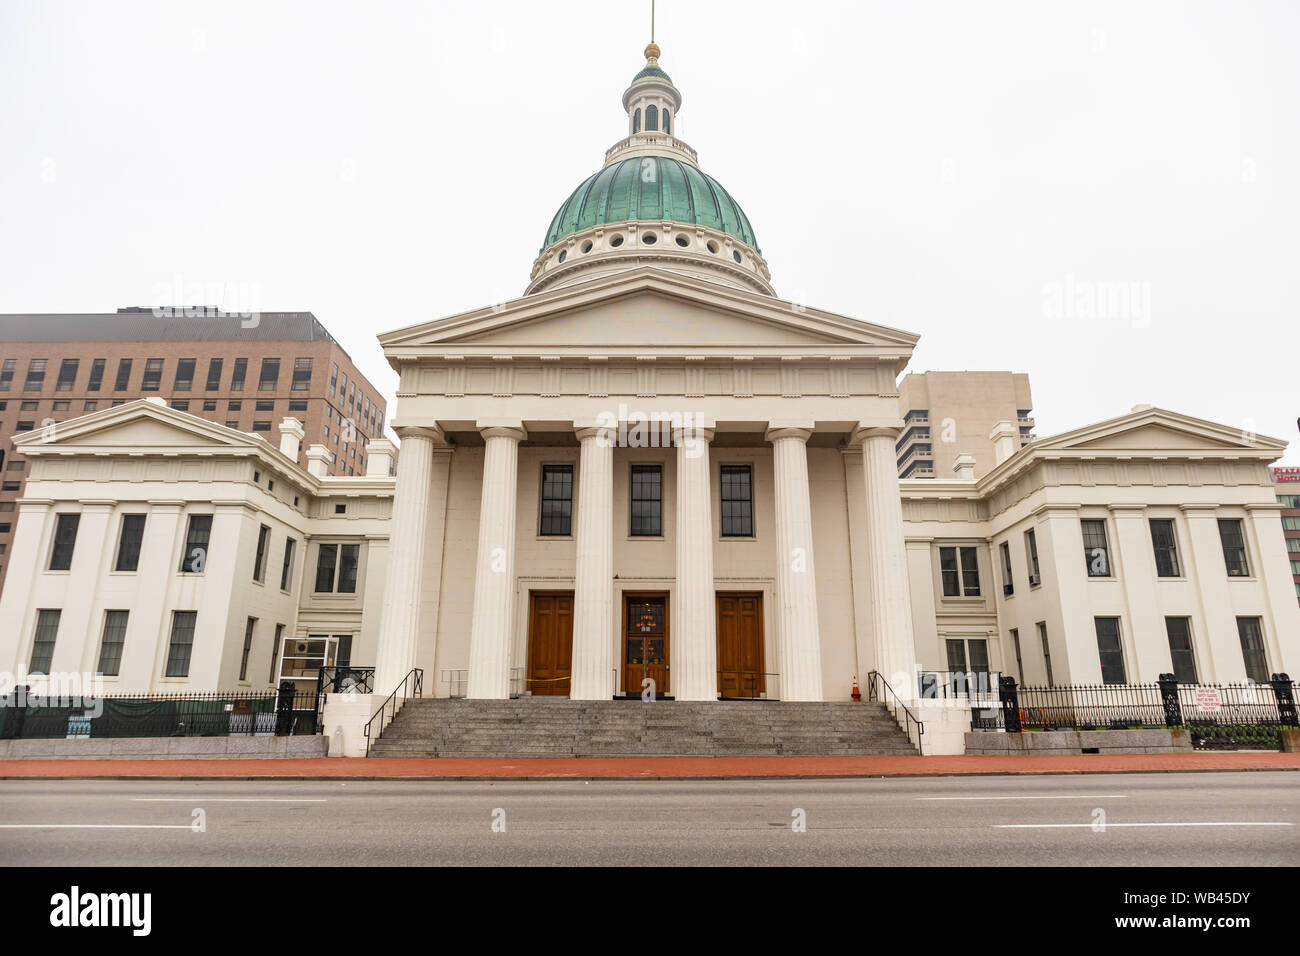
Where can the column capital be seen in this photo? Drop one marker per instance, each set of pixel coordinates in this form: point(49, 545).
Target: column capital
point(501, 428)
point(1127, 509)
point(702, 430)
point(866, 430)
point(587, 430)
point(1200, 509)
point(776, 430)
point(431, 431)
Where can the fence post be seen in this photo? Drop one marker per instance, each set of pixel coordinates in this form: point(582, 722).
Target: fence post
point(1286, 711)
point(1010, 704)
point(284, 709)
point(1169, 697)
point(12, 725)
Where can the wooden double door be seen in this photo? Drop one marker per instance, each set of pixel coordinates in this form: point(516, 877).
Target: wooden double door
point(740, 644)
point(550, 642)
point(645, 643)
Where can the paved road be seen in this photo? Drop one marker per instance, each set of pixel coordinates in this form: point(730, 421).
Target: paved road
point(941, 821)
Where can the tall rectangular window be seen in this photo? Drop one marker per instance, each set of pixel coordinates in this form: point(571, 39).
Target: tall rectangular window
point(270, 375)
point(1096, 552)
point(129, 540)
point(1047, 652)
point(197, 535)
point(557, 500)
point(47, 629)
point(67, 375)
point(65, 539)
point(326, 564)
point(349, 558)
point(334, 378)
point(275, 652)
point(647, 501)
point(1251, 633)
point(287, 566)
point(1020, 664)
point(185, 374)
point(111, 642)
point(181, 644)
point(737, 501)
point(1108, 647)
point(214, 375)
point(1233, 539)
point(238, 375)
point(96, 375)
point(153, 369)
point(959, 569)
point(1031, 552)
point(7, 374)
point(301, 375)
point(248, 647)
point(123, 379)
point(35, 375)
point(1165, 545)
point(1008, 578)
point(1179, 631)
point(263, 545)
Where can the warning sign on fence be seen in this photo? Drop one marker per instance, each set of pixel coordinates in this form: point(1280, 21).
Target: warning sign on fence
point(1207, 698)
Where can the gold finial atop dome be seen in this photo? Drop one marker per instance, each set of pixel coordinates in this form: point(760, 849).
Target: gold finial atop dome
point(652, 52)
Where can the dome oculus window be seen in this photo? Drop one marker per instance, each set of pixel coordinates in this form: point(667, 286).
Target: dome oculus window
point(564, 254)
point(586, 246)
point(649, 238)
point(735, 255)
point(616, 241)
point(713, 247)
point(682, 240)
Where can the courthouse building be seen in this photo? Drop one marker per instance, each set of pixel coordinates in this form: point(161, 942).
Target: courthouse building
point(650, 467)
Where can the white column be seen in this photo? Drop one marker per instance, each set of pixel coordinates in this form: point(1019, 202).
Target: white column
point(693, 649)
point(593, 599)
point(494, 576)
point(891, 600)
point(798, 635)
point(17, 609)
point(399, 621)
point(1280, 611)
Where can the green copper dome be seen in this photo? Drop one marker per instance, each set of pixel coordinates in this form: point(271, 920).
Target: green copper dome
point(651, 188)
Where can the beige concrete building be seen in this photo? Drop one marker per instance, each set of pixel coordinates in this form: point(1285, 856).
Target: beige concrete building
point(949, 415)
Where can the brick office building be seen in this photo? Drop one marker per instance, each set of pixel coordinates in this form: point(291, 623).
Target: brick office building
point(1288, 495)
point(246, 374)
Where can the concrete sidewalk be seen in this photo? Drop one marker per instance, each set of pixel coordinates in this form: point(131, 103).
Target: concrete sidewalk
point(633, 768)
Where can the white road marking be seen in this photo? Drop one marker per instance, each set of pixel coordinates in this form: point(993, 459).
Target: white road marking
point(199, 799)
point(1108, 826)
point(1081, 796)
point(95, 826)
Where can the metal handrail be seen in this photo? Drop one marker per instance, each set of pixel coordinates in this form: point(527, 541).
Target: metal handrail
point(417, 690)
point(897, 703)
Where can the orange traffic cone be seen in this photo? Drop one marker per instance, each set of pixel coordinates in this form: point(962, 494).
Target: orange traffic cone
point(857, 694)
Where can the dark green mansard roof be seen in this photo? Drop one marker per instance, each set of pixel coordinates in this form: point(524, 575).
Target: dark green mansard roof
point(651, 188)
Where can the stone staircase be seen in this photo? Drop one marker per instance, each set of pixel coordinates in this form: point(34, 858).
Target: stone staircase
point(558, 727)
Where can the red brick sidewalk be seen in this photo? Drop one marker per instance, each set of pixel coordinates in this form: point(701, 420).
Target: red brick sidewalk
point(634, 768)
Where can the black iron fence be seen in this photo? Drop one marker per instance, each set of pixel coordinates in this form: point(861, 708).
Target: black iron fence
point(347, 680)
point(25, 714)
point(1246, 715)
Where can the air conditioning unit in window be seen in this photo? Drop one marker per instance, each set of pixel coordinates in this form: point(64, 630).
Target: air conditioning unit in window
point(300, 647)
point(1034, 580)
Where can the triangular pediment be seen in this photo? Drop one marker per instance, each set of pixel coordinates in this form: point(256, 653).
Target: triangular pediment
point(140, 426)
point(648, 309)
point(1154, 431)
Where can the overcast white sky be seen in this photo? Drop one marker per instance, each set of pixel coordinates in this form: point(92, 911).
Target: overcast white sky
point(976, 171)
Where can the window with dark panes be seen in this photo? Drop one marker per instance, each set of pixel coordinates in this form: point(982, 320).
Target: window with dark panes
point(343, 653)
point(959, 571)
point(123, 380)
point(185, 374)
point(334, 378)
point(96, 375)
point(270, 376)
point(263, 545)
point(1233, 539)
point(737, 501)
point(275, 652)
point(970, 572)
point(128, 543)
point(181, 644)
point(1166, 547)
point(326, 561)
point(153, 369)
point(67, 375)
point(557, 500)
point(1251, 633)
point(197, 535)
point(1047, 652)
point(65, 539)
point(1008, 580)
point(110, 645)
point(1108, 647)
point(238, 375)
point(349, 559)
point(249, 627)
point(35, 375)
point(7, 374)
point(1031, 552)
point(647, 501)
point(1179, 631)
point(301, 374)
point(1096, 552)
point(287, 566)
point(214, 374)
point(47, 629)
